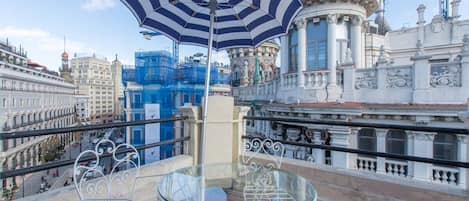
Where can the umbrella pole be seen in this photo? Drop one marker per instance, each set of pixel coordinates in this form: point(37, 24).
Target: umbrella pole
point(206, 88)
point(213, 4)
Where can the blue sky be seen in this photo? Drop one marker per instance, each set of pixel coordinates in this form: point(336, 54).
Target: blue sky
point(106, 27)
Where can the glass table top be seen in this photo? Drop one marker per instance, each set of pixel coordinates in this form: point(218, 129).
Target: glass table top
point(220, 182)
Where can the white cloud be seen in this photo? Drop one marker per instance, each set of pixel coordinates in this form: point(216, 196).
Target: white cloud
point(92, 5)
point(42, 46)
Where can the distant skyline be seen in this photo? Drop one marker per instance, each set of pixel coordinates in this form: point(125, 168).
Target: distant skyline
point(107, 28)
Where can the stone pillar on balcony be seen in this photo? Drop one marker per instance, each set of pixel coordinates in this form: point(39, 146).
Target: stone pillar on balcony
point(192, 129)
point(423, 147)
point(318, 154)
point(333, 91)
point(381, 147)
point(283, 60)
point(455, 30)
point(421, 76)
point(340, 137)
point(462, 157)
point(356, 40)
point(410, 152)
point(239, 130)
point(38, 154)
point(465, 62)
point(219, 134)
point(382, 63)
point(11, 164)
point(31, 156)
point(301, 26)
point(349, 78)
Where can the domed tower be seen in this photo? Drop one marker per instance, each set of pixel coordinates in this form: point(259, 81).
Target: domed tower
point(65, 70)
point(318, 40)
point(243, 63)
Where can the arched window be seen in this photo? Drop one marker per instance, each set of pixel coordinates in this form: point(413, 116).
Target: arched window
point(445, 146)
point(293, 51)
point(367, 139)
point(396, 142)
point(316, 44)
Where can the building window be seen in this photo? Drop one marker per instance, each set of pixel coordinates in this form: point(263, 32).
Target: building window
point(445, 146)
point(367, 139)
point(293, 51)
point(316, 45)
point(396, 142)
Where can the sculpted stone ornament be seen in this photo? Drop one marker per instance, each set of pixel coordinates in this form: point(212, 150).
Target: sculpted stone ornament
point(437, 24)
point(447, 75)
point(366, 79)
point(348, 56)
point(465, 41)
point(399, 78)
point(419, 49)
point(301, 23)
point(332, 19)
point(382, 55)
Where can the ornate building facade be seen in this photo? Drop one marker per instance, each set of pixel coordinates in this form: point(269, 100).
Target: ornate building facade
point(243, 63)
point(116, 69)
point(93, 77)
point(32, 97)
point(331, 70)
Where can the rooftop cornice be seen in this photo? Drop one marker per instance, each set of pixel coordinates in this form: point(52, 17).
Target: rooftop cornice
point(369, 5)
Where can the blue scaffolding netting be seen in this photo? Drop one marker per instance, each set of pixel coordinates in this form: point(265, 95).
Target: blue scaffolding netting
point(156, 79)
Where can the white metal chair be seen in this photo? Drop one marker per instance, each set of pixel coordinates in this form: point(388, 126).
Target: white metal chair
point(90, 180)
point(259, 177)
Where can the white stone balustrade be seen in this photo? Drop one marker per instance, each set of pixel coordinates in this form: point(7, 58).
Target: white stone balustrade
point(290, 80)
point(445, 175)
point(396, 168)
point(316, 79)
point(366, 163)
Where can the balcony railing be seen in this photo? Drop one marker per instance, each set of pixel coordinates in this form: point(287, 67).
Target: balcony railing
point(40, 162)
point(410, 165)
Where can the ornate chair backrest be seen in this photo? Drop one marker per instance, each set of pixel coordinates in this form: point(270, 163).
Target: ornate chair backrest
point(273, 150)
point(259, 178)
point(119, 184)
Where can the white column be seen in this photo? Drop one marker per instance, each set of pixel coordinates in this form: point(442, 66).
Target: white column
point(421, 76)
point(318, 154)
point(410, 152)
point(381, 147)
point(340, 138)
point(331, 48)
point(462, 157)
point(423, 147)
point(283, 59)
point(421, 23)
point(465, 62)
point(301, 26)
point(356, 41)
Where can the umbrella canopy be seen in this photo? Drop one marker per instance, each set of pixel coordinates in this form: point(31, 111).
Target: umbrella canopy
point(237, 23)
point(216, 24)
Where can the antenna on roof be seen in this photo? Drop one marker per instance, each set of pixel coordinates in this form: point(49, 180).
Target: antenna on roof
point(64, 43)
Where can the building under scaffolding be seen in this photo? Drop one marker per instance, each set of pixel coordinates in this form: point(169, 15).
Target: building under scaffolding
point(155, 87)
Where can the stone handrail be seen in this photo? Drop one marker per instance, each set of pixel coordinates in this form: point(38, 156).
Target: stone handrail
point(396, 168)
point(290, 80)
point(445, 175)
point(316, 79)
point(366, 163)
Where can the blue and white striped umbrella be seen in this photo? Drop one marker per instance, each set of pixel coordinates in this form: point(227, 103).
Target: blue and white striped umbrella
point(237, 23)
point(218, 24)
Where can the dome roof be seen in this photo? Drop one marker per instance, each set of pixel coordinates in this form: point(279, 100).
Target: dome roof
point(65, 55)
